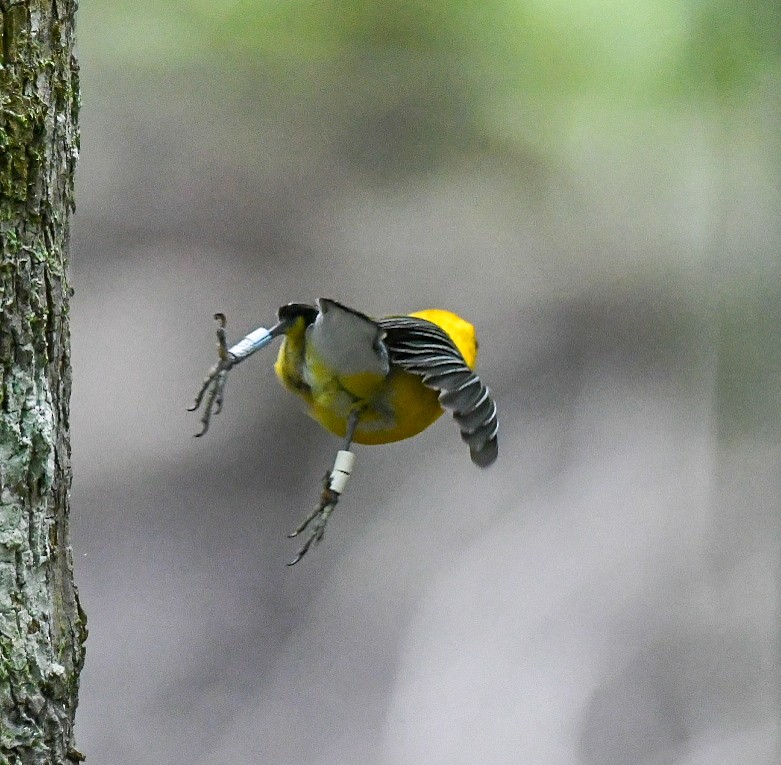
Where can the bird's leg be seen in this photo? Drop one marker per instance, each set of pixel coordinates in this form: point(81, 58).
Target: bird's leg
point(334, 483)
point(213, 387)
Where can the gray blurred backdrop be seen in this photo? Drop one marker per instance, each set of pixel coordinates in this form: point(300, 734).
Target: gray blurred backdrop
point(597, 187)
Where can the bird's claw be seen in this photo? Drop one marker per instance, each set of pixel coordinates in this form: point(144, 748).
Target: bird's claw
point(213, 387)
point(318, 519)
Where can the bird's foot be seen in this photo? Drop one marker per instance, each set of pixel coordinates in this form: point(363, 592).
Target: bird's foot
point(334, 484)
point(213, 387)
point(316, 521)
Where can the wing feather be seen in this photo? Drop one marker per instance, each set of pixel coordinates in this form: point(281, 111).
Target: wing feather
point(422, 348)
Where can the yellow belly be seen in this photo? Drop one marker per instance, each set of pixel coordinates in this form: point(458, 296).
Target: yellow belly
point(401, 408)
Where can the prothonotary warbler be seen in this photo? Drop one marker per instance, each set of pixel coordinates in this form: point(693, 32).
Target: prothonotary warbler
point(369, 381)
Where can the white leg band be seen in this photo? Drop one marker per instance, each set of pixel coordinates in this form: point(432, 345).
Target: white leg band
point(254, 341)
point(343, 467)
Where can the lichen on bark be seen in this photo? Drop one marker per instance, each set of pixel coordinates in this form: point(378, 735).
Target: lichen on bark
point(42, 627)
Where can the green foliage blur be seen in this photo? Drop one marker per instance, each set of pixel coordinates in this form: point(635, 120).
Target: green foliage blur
point(529, 71)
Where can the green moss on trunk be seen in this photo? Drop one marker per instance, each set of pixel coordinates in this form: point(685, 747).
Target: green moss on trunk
point(42, 627)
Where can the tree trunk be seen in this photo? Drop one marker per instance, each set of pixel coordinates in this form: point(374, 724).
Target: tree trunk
point(42, 627)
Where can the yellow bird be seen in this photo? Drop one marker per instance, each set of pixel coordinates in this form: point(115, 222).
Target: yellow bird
point(372, 381)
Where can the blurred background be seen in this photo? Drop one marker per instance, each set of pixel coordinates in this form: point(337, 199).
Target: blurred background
point(596, 185)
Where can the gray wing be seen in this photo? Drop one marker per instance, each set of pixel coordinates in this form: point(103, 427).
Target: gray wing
point(422, 348)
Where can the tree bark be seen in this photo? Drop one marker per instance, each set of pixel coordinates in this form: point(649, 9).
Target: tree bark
point(42, 626)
